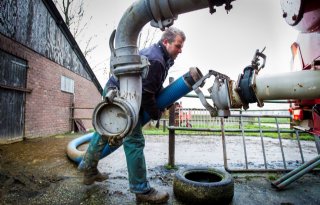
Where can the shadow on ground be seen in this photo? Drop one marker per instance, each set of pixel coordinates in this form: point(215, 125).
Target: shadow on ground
point(39, 172)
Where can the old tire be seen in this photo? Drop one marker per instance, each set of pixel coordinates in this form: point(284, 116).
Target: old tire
point(199, 185)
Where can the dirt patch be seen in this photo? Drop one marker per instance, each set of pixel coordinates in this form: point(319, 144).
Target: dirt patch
point(39, 172)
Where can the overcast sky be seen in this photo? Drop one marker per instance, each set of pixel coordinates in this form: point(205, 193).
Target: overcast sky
point(222, 42)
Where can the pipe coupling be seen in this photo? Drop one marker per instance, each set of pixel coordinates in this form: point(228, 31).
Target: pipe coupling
point(114, 120)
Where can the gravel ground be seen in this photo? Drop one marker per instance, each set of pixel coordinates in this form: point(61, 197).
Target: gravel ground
point(39, 172)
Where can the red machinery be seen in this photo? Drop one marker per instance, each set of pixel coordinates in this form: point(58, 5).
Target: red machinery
point(304, 15)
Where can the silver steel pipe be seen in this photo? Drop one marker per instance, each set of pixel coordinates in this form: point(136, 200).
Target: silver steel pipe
point(300, 85)
point(118, 117)
point(184, 6)
point(140, 13)
point(127, 64)
point(293, 85)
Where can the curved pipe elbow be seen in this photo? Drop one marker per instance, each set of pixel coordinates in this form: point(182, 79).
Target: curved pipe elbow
point(130, 64)
point(130, 25)
point(118, 118)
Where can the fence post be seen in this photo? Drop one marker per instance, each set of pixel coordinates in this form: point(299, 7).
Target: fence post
point(240, 112)
point(171, 133)
point(224, 149)
point(291, 120)
point(280, 141)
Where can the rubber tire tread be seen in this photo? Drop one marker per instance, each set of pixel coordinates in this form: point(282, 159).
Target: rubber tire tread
point(193, 192)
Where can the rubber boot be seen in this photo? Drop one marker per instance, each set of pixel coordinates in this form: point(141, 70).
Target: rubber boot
point(153, 197)
point(93, 175)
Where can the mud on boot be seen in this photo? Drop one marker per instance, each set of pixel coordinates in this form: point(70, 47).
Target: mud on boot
point(93, 175)
point(153, 197)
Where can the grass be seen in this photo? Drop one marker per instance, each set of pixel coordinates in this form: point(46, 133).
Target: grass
point(272, 177)
point(151, 130)
point(170, 167)
point(248, 125)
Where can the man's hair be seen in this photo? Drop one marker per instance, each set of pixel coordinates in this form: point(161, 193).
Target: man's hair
point(171, 33)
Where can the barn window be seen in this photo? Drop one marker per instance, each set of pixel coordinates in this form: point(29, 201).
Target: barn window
point(67, 84)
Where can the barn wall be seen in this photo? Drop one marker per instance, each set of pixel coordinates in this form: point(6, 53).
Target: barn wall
point(30, 23)
point(34, 31)
point(47, 109)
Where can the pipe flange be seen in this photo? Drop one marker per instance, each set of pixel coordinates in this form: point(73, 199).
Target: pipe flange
point(193, 76)
point(113, 119)
point(246, 88)
point(219, 93)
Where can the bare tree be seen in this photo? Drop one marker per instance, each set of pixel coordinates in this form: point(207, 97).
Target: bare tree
point(147, 38)
point(73, 13)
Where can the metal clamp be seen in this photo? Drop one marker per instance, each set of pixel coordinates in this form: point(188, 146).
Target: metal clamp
point(246, 85)
point(196, 87)
point(213, 3)
point(161, 13)
point(219, 78)
point(256, 58)
point(111, 94)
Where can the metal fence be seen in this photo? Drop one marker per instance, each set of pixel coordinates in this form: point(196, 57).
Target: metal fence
point(240, 124)
point(200, 118)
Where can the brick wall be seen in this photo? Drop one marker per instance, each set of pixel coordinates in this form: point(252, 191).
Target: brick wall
point(47, 108)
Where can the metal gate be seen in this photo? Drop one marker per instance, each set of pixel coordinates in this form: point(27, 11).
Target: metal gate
point(260, 122)
point(13, 75)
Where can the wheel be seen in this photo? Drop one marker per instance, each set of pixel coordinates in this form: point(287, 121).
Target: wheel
point(199, 185)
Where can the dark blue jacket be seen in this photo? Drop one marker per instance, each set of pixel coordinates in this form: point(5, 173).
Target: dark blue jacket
point(160, 62)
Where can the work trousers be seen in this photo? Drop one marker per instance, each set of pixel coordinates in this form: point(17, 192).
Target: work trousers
point(133, 145)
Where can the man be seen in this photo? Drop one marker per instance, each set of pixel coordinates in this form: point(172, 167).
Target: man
point(161, 57)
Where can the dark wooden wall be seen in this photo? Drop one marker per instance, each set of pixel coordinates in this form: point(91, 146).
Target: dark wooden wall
point(13, 72)
point(30, 23)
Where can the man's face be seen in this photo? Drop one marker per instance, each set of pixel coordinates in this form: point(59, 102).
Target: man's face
point(175, 47)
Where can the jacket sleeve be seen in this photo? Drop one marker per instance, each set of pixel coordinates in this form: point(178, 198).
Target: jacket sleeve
point(152, 84)
point(154, 80)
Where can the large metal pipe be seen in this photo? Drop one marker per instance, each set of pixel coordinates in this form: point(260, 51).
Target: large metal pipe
point(126, 63)
point(184, 6)
point(293, 85)
point(300, 85)
point(136, 16)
